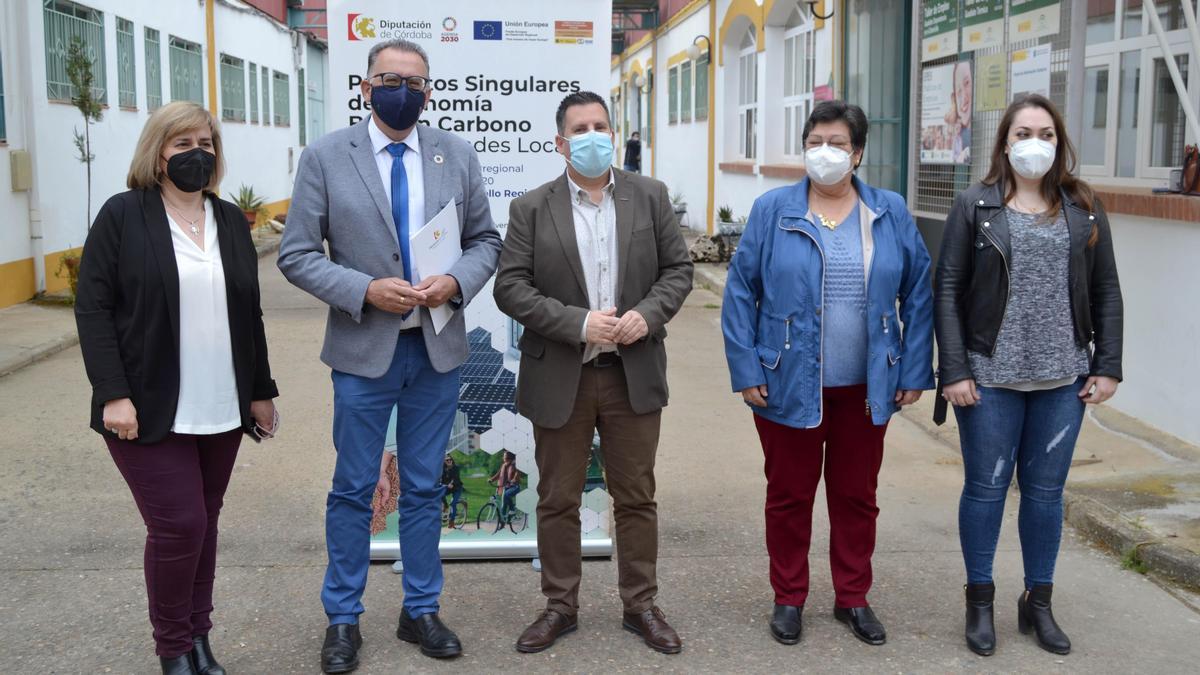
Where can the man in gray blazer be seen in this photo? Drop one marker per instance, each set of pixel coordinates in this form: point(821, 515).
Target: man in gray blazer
point(363, 191)
point(594, 266)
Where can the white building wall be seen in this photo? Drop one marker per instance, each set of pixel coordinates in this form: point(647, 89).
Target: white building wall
point(259, 155)
point(1159, 283)
point(681, 159)
point(15, 241)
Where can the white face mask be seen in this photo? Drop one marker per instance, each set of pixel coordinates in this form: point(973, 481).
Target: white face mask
point(1032, 157)
point(826, 165)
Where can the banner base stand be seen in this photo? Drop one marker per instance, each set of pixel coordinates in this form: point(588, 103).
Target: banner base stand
point(525, 549)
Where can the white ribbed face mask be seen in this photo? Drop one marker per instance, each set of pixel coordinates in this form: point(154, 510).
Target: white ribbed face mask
point(826, 165)
point(1032, 157)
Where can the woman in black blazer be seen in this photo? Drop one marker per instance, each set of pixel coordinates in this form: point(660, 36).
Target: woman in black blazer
point(172, 335)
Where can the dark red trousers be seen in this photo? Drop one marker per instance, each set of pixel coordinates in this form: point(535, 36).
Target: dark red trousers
point(851, 448)
point(179, 485)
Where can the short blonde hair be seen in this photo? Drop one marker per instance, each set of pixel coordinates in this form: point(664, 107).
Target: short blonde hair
point(169, 121)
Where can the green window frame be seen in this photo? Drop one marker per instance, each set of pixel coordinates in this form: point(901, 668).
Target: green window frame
point(153, 70)
point(685, 87)
point(701, 72)
point(252, 94)
point(187, 70)
point(126, 70)
point(266, 94)
point(301, 100)
point(283, 103)
point(63, 22)
point(233, 88)
point(673, 95)
point(3, 126)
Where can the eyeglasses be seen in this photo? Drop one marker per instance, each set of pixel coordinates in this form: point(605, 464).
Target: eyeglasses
point(814, 143)
point(396, 80)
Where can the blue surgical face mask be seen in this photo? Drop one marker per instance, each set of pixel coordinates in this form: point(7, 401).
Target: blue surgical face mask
point(397, 107)
point(591, 153)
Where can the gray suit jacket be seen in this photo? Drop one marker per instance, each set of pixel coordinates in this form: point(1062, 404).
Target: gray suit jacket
point(339, 200)
point(541, 284)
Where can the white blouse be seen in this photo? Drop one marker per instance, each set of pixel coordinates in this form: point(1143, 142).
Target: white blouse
point(208, 396)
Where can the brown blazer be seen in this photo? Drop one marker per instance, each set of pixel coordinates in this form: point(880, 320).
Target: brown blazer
point(540, 284)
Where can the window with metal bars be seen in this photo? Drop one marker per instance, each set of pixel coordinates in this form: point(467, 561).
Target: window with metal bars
point(64, 22)
point(266, 95)
point(252, 96)
point(187, 70)
point(301, 100)
point(153, 70)
point(233, 88)
point(282, 98)
point(126, 77)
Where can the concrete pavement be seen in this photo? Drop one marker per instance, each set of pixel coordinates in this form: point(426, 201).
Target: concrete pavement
point(71, 556)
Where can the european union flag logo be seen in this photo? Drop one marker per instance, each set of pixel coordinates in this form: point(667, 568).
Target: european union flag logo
point(489, 30)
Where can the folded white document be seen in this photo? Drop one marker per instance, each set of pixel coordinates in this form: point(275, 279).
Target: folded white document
point(435, 248)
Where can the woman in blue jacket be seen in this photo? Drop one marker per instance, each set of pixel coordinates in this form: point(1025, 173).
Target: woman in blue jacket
point(818, 351)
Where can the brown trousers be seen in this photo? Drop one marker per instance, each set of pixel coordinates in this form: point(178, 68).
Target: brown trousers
point(628, 442)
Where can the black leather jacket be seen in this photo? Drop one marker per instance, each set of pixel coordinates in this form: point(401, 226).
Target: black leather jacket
point(971, 286)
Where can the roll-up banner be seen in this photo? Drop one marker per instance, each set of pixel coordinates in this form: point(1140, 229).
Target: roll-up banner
point(499, 70)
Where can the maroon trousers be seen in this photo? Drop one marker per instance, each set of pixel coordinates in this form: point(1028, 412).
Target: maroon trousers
point(852, 450)
point(179, 485)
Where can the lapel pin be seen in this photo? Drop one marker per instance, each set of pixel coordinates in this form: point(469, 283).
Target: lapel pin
point(438, 159)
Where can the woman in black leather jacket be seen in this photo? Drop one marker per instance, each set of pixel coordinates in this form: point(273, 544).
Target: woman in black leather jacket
point(1028, 317)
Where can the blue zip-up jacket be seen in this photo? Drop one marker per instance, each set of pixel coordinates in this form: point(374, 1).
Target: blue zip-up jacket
point(771, 316)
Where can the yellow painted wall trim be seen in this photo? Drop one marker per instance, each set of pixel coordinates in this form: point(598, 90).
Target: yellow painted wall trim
point(739, 8)
point(57, 281)
point(17, 283)
point(211, 32)
point(276, 208)
point(818, 22)
point(680, 57)
point(712, 127)
point(635, 47)
point(634, 70)
point(680, 16)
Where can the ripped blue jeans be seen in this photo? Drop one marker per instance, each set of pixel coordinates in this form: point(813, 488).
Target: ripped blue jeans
point(1034, 434)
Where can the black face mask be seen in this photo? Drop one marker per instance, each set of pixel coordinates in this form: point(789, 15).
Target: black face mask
point(190, 171)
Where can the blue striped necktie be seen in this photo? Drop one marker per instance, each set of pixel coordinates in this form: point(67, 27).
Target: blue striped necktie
point(400, 206)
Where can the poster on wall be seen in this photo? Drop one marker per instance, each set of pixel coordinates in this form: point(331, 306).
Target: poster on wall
point(947, 94)
point(939, 29)
point(982, 24)
point(1031, 71)
point(991, 82)
point(1029, 19)
point(499, 70)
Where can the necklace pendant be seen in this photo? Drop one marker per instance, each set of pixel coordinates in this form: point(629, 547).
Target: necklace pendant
point(195, 230)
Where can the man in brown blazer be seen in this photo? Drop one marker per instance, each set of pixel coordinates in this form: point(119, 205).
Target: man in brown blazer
point(593, 267)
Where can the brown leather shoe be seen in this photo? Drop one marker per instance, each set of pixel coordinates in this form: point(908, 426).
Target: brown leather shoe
point(543, 632)
point(655, 631)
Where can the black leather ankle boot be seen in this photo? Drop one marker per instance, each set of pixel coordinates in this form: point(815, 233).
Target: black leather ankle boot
point(1033, 614)
point(177, 665)
point(981, 631)
point(202, 656)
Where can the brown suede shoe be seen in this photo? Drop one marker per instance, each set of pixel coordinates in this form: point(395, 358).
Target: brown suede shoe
point(543, 632)
point(655, 631)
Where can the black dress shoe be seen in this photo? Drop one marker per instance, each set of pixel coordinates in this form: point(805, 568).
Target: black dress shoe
point(862, 623)
point(202, 656)
point(981, 629)
point(427, 630)
point(1033, 614)
point(178, 665)
point(339, 654)
point(785, 624)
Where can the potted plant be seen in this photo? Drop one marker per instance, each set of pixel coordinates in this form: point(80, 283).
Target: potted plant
point(729, 231)
point(250, 203)
point(679, 203)
point(69, 262)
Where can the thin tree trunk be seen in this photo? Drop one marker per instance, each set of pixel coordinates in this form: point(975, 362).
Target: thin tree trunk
point(87, 155)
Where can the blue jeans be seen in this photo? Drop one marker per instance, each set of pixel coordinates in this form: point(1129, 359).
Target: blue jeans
point(455, 498)
point(425, 402)
point(507, 501)
point(1034, 434)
